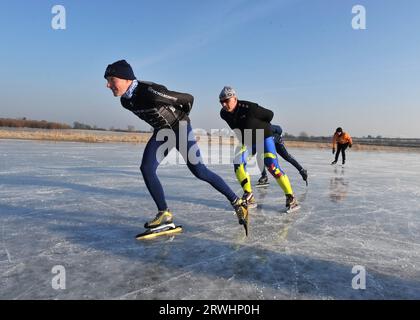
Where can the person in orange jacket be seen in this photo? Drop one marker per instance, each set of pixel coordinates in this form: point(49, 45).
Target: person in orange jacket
point(343, 140)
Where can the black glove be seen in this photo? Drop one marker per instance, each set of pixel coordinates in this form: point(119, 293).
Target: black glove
point(350, 145)
point(333, 150)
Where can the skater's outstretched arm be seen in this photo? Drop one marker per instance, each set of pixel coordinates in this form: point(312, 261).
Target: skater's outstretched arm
point(334, 140)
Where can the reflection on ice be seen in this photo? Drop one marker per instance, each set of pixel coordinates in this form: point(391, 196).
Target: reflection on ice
point(339, 185)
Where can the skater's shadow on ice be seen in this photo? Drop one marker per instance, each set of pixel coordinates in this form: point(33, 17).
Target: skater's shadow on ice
point(250, 263)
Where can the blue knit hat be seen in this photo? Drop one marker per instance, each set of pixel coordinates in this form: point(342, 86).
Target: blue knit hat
point(120, 69)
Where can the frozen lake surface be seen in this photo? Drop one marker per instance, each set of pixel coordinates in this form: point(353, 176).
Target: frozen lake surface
point(80, 205)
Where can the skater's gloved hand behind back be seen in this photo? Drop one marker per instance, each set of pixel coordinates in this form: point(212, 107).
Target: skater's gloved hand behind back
point(333, 150)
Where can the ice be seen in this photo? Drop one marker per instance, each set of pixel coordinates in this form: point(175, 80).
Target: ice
point(80, 206)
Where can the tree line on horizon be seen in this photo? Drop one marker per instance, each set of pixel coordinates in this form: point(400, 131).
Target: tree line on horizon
point(43, 124)
point(27, 123)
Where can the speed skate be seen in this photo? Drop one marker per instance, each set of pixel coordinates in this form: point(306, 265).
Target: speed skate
point(163, 230)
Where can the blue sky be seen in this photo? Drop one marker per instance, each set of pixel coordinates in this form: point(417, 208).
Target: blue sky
point(301, 59)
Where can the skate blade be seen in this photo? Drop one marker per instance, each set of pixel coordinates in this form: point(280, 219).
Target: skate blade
point(246, 229)
point(293, 209)
point(245, 224)
point(262, 185)
point(151, 234)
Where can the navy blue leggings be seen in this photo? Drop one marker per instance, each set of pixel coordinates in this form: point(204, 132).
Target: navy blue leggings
point(152, 158)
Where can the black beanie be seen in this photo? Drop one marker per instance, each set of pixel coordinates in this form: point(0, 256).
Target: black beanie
point(120, 69)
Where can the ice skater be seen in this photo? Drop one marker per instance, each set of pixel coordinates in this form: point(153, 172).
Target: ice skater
point(164, 109)
point(342, 140)
point(282, 151)
point(244, 115)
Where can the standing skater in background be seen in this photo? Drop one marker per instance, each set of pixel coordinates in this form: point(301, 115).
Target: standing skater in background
point(343, 140)
point(282, 151)
point(245, 115)
point(164, 109)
